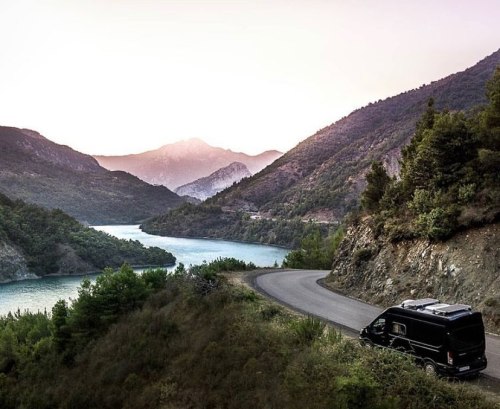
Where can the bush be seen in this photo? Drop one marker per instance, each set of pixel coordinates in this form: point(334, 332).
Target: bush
point(308, 330)
point(361, 256)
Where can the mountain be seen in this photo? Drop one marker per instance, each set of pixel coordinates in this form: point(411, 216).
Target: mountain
point(208, 186)
point(36, 170)
point(35, 242)
point(177, 164)
point(322, 177)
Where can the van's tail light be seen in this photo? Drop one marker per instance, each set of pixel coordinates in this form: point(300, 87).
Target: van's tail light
point(450, 358)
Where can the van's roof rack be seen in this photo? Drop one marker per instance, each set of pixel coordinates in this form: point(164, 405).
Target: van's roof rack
point(418, 304)
point(446, 309)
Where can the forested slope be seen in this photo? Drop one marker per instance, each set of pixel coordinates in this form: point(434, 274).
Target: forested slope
point(40, 242)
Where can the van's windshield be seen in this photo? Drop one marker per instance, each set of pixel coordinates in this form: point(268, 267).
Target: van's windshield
point(467, 337)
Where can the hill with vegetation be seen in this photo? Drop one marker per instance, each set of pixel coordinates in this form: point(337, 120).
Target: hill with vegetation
point(39, 171)
point(450, 175)
point(35, 242)
point(192, 340)
point(183, 162)
point(434, 231)
point(322, 178)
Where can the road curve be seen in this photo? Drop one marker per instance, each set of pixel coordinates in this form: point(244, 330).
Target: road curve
point(300, 290)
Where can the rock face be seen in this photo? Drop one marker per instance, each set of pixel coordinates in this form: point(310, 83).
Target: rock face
point(464, 269)
point(219, 180)
point(13, 265)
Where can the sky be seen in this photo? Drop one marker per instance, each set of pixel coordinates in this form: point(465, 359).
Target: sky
point(121, 76)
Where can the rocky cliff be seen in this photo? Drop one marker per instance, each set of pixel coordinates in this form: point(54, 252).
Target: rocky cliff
point(13, 265)
point(464, 269)
point(216, 182)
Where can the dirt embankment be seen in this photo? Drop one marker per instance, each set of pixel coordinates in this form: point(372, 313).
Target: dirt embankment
point(463, 269)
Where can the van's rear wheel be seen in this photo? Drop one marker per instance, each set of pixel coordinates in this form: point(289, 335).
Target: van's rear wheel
point(430, 368)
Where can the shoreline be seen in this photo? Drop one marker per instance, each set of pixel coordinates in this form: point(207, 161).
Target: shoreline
point(86, 273)
point(219, 239)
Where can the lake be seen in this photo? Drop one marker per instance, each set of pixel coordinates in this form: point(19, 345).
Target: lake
point(41, 294)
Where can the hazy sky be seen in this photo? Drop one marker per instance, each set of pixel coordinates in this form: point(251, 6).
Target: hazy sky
point(123, 76)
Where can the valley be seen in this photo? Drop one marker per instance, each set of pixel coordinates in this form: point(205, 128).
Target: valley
point(400, 199)
point(324, 175)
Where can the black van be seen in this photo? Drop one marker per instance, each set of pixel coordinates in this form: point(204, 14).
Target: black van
point(445, 339)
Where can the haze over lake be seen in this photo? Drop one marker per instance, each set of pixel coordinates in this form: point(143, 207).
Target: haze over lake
point(37, 295)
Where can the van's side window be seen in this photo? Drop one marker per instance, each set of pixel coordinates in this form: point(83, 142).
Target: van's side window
point(398, 329)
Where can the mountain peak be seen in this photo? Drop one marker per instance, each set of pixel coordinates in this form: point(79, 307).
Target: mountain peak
point(208, 186)
point(183, 162)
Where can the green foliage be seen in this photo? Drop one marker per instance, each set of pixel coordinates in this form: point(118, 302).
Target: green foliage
point(377, 181)
point(46, 237)
point(361, 256)
point(100, 304)
point(315, 252)
point(209, 220)
point(449, 175)
point(206, 277)
point(168, 351)
point(307, 330)
point(61, 333)
point(155, 279)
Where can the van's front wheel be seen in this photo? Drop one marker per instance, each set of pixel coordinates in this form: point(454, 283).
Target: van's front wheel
point(367, 344)
point(430, 368)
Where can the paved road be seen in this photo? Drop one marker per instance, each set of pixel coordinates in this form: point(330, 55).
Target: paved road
point(299, 289)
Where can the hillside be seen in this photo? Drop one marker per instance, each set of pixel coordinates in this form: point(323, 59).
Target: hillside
point(161, 341)
point(177, 164)
point(434, 231)
point(35, 242)
point(36, 170)
point(221, 179)
point(323, 176)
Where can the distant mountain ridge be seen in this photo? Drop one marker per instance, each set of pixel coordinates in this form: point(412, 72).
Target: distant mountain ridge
point(322, 177)
point(39, 171)
point(221, 179)
point(183, 162)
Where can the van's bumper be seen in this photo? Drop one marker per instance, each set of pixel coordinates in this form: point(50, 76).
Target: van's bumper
point(465, 370)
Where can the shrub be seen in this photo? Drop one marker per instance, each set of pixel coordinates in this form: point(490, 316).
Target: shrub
point(307, 330)
point(361, 256)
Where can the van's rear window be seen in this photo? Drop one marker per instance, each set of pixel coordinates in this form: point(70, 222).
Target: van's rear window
point(467, 337)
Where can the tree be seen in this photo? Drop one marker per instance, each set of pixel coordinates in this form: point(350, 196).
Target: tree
point(378, 180)
point(60, 331)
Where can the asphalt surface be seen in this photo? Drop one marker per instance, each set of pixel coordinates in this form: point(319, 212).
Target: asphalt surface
point(299, 289)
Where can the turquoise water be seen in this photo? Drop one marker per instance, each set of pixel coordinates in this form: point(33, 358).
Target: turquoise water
point(42, 294)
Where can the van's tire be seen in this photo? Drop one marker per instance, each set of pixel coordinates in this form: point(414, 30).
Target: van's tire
point(367, 344)
point(430, 368)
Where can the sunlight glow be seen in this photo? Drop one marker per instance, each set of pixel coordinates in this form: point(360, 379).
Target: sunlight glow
point(117, 77)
